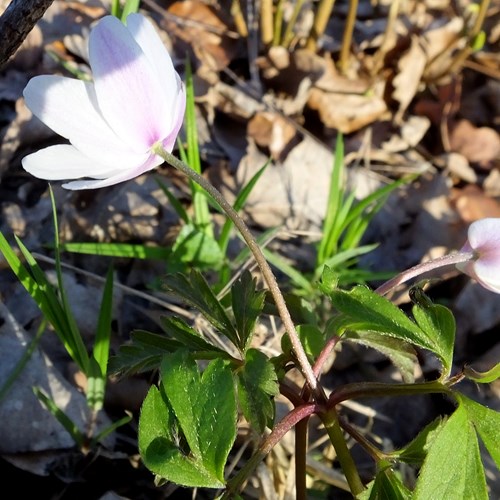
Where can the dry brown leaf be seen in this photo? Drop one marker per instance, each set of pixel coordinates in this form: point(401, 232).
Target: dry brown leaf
point(273, 132)
point(203, 31)
point(472, 204)
point(480, 145)
point(410, 70)
point(346, 113)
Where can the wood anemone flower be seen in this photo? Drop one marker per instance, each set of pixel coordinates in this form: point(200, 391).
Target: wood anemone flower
point(484, 242)
point(136, 101)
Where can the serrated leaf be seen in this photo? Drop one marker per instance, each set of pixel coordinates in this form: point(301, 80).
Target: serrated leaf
point(416, 451)
point(196, 292)
point(401, 354)
point(257, 385)
point(205, 408)
point(482, 377)
point(453, 467)
point(143, 354)
point(159, 446)
point(438, 323)
point(487, 424)
point(247, 306)
point(386, 486)
point(363, 310)
point(187, 336)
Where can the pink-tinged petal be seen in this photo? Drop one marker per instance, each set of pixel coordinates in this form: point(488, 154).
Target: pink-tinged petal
point(152, 162)
point(169, 142)
point(484, 241)
point(159, 58)
point(484, 235)
point(69, 108)
point(64, 162)
point(128, 90)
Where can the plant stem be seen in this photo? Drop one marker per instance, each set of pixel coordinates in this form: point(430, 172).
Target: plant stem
point(332, 426)
point(266, 21)
point(424, 267)
point(374, 389)
point(289, 421)
point(347, 37)
point(320, 21)
point(266, 270)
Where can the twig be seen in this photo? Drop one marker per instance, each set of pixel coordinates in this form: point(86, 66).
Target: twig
point(16, 22)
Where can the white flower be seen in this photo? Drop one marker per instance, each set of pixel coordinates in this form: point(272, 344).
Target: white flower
point(136, 100)
point(484, 242)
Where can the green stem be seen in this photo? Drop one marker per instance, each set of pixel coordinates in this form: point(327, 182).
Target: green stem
point(374, 389)
point(266, 270)
point(332, 426)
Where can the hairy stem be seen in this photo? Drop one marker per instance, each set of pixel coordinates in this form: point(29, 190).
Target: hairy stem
point(424, 267)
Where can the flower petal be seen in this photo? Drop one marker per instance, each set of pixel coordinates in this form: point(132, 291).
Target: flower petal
point(178, 118)
point(152, 162)
point(159, 58)
point(64, 162)
point(69, 108)
point(484, 235)
point(128, 90)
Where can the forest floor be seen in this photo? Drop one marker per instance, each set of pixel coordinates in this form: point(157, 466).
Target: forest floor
point(409, 98)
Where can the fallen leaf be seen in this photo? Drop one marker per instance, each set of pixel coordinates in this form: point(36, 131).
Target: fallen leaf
point(480, 145)
point(472, 204)
point(346, 113)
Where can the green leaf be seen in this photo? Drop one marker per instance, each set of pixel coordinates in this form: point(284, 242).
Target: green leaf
point(311, 338)
point(62, 418)
point(99, 362)
point(438, 323)
point(202, 217)
point(187, 336)
point(243, 194)
point(129, 7)
point(401, 354)
point(363, 311)
point(482, 377)
point(247, 306)
point(43, 293)
point(144, 353)
point(453, 467)
point(487, 424)
point(122, 250)
point(282, 265)
point(416, 451)
point(186, 435)
point(195, 247)
point(257, 385)
point(386, 486)
point(196, 292)
point(331, 232)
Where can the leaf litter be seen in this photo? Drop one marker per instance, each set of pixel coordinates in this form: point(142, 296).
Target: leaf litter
point(404, 104)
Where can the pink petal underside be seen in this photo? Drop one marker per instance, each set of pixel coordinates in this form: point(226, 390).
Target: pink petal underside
point(169, 142)
point(152, 162)
point(484, 235)
point(65, 162)
point(159, 58)
point(128, 90)
point(68, 107)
